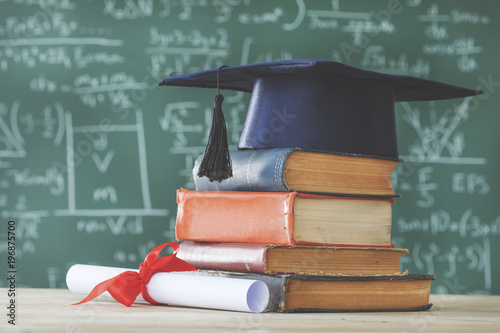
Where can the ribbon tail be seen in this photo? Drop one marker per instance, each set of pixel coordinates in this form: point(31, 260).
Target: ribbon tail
point(124, 288)
point(97, 291)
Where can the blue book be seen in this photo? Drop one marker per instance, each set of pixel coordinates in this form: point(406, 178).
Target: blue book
point(293, 169)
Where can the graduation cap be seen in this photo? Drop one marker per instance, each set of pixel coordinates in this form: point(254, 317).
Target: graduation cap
point(311, 104)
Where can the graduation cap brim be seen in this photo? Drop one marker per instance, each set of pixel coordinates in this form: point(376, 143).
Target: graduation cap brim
point(320, 105)
point(243, 77)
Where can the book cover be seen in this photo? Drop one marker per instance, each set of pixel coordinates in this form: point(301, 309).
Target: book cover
point(282, 218)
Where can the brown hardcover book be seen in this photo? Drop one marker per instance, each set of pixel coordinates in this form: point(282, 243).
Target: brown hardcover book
point(282, 218)
point(293, 293)
point(296, 260)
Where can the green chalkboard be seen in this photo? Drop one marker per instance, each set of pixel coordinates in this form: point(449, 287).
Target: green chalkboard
point(92, 150)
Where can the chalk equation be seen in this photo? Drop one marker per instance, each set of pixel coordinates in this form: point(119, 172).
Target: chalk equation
point(448, 262)
point(438, 31)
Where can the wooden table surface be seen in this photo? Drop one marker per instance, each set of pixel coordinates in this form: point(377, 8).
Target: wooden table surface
point(49, 310)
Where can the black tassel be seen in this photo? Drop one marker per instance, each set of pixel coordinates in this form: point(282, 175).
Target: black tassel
point(216, 164)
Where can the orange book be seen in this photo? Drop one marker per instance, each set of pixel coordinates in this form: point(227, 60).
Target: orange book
point(282, 218)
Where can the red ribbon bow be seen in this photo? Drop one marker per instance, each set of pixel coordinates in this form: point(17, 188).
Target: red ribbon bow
point(125, 287)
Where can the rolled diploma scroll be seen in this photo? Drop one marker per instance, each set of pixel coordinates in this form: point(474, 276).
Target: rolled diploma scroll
point(180, 288)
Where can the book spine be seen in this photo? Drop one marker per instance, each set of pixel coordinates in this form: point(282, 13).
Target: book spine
point(253, 170)
point(235, 217)
point(236, 257)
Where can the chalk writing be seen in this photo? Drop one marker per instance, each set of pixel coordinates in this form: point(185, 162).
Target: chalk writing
point(375, 58)
point(471, 183)
point(59, 56)
point(117, 226)
point(467, 225)
point(474, 258)
point(179, 52)
point(39, 25)
point(438, 30)
point(128, 9)
point(26, 178)
point(272, 16)
point(92, 151)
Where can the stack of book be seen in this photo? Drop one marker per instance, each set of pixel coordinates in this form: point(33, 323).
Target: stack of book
point(315, 227)
point(317, 224)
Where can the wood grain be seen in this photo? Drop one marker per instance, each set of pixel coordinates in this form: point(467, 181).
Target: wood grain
point(50, 310)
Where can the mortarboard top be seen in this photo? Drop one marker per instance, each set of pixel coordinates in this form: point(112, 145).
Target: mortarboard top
point(320, 105)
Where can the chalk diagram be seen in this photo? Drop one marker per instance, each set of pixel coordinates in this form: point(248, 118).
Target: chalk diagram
point(11, 140)
point(441, 141)
point(107, 192)
point(102, 156)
